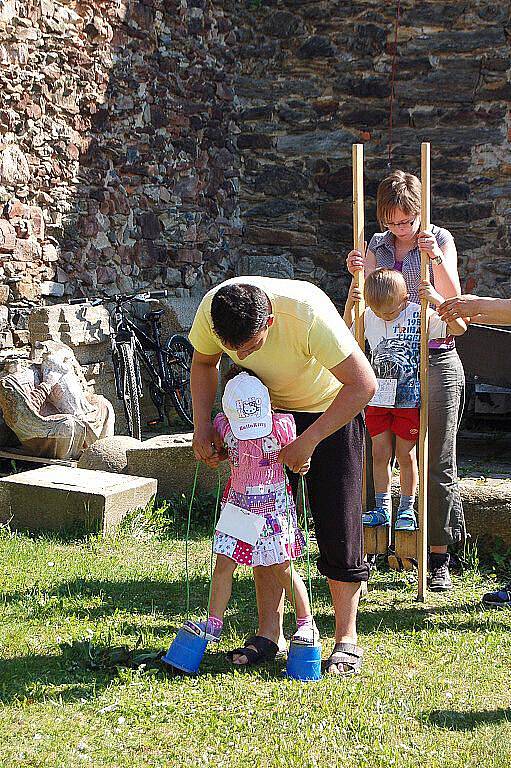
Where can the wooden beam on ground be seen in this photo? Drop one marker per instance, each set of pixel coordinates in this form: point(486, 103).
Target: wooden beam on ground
point(422, 552)
point(17, 455)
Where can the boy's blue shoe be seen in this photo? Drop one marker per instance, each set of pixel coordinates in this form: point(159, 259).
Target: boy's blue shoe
point(501, 598)
point(376, 517)
point(406, 521)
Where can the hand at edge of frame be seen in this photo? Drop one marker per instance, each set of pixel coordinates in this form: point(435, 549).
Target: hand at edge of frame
point(465, 306)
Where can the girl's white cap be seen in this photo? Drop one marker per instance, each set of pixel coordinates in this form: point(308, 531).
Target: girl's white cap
point(246, 403)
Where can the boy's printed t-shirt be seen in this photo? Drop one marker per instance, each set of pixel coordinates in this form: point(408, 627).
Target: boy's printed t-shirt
point(395, 354)
point(307, 339)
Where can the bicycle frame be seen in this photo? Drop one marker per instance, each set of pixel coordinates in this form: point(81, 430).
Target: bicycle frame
point(125, 330)
point(145, 351)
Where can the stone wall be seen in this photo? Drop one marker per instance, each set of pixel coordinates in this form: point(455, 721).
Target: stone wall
point(172, 143)
point(315, 76)
point(116, 121)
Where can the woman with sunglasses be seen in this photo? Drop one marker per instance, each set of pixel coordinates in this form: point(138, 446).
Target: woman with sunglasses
point(398, 246)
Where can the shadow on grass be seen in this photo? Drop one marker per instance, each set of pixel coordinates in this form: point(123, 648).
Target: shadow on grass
point(85, 667)
point(32, 678)
point(99, 598)
point(466, 721)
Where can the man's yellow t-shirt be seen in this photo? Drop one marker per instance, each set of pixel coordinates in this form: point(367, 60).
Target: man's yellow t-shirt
point(307, 338)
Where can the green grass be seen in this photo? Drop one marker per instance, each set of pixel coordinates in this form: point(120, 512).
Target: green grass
point(435, 689)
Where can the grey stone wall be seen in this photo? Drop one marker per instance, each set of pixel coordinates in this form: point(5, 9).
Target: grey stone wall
point(172, 143)
point(314, 77)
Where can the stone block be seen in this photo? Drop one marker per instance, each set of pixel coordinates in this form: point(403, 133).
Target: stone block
point(14, 167)
point(271, 265)
point(108, 454)
point(49, 253)
point(27, 250)
point(284, 237)
point(49, 288)
point(84, 328)
point(56, 498)
point(26, 289)
point(36, 217)
point(7, 236)
point(180, 313)
point(170, 459)
point(487, 506)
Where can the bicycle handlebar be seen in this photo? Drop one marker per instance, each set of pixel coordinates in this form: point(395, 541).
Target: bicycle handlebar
point(121, 298)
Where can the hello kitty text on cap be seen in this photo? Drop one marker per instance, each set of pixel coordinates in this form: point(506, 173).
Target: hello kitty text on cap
point(246, 403)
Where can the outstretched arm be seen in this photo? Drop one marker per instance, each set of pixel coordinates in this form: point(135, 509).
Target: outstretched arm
point(481, 310)
point(455, 326)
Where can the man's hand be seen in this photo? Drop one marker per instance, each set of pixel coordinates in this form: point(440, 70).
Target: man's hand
point(460, 306)
point(297, 455)
point(208, 446)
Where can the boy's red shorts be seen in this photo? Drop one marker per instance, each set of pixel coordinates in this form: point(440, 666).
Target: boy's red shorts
point(403, 422)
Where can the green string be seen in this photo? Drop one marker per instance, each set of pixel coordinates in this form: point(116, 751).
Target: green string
point(307, 541)
point(215, 518)
point(288, 513)
point(192, 497)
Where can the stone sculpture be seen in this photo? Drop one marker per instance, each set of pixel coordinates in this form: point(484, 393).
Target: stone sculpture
point(49, 407)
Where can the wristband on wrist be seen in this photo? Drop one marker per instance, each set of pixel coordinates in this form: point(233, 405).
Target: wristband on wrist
point(438, 259)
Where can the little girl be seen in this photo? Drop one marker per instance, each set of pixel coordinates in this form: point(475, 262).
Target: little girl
point(257, 525)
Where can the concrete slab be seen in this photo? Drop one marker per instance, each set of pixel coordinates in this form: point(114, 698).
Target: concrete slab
point(170, 459)
point(56, 498)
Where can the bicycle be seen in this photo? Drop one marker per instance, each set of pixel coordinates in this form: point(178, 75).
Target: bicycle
point(167, 365)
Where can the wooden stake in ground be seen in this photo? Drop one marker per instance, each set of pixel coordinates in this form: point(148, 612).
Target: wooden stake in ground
point(357, 154)
point(424, 386)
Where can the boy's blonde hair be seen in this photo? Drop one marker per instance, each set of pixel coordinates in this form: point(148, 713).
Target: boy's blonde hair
point(399, 190)
point(383, 286)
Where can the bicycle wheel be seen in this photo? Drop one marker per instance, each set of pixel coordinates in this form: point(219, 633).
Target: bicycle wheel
point(178, 359)
point(129, 389)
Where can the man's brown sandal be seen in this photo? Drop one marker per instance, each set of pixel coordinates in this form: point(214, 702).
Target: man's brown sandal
point(345, 655)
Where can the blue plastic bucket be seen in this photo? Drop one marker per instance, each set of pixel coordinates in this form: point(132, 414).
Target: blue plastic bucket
point(304, 662)
point(186, 652)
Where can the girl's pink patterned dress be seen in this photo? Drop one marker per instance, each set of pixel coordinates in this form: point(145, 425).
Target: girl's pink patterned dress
point(258, 484)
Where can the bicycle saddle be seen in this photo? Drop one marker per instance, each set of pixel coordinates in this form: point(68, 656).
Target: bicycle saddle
point(154, 314)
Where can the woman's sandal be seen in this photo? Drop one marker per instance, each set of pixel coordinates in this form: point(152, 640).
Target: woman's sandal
point(347, 655)
point(265, 650)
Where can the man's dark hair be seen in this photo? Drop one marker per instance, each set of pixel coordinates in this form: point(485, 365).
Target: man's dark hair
point(238, 312)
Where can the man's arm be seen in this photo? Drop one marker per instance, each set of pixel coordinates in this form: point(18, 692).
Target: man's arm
point(480, 310)
point(359, 386)
point(204, 381)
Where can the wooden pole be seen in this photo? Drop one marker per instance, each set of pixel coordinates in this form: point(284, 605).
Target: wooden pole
point(357, 154)
point(424, 386)
point(358, 234)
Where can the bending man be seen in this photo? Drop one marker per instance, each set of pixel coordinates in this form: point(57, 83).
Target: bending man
point(290, 335)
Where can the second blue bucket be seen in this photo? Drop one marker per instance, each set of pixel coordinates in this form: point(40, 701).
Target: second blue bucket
point(186, 652)
point(304, 662)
